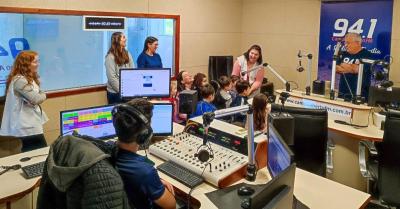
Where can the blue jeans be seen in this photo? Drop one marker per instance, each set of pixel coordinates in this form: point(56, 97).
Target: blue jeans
point(113, 98)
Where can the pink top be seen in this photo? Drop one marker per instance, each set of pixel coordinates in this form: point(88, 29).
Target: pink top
point(259, 77)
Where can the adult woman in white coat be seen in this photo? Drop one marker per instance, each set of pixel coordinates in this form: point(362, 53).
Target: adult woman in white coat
point(23, 117)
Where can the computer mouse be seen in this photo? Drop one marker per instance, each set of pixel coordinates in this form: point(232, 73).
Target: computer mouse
point(245, 191)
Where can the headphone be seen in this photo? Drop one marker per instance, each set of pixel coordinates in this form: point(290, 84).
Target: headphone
point(204, 153)
point(145, 133)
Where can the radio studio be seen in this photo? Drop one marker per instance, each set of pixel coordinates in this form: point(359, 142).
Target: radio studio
point(187, 104)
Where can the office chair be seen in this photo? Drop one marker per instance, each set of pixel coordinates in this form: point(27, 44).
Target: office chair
point(310, 147)
point(383, 167)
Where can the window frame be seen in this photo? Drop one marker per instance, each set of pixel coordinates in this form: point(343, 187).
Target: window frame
point(100, 87)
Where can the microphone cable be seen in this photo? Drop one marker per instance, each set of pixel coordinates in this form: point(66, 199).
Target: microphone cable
point(192, 189)
point(348, 86)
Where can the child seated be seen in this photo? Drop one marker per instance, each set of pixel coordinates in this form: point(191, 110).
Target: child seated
point(205, 105)
point(173, 98)
point(242, 88)
point(223, 98)
point(260, 112)
point(234, 80)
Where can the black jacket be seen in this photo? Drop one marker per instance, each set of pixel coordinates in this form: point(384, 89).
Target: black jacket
point(79, 175)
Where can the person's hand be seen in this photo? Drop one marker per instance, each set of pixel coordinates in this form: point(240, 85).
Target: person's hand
point(168, 186)
point(339, 69)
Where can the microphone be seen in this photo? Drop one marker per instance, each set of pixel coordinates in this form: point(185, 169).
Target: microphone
point(299, 67)
point(337, 50)
point(204, 151)
point(254, 68)
point(386, 84)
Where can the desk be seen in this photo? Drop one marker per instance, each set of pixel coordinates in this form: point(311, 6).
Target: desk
point(14, 186)
point(346, 138)
point(312, 190)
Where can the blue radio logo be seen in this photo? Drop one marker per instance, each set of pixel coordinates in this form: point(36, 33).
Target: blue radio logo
point(14, 47)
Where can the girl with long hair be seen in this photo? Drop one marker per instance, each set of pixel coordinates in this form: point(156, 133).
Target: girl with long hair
point(260, 112)
point(23, 117)
point(117, 57)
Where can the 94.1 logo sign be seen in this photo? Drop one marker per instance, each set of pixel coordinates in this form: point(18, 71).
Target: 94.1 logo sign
point(343, 26)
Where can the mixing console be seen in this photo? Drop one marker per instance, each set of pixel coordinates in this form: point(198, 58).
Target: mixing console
point(226, 167)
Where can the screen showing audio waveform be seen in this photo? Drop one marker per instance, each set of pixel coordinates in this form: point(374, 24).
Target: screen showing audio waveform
point(95, 122)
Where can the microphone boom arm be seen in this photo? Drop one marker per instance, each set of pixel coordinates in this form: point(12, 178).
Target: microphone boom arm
point(287, 84)
point(208, 117)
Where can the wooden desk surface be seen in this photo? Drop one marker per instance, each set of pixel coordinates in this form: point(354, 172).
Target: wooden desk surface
point(312, 190)
point(314, 97)
point(371, 132)
point(13, 183)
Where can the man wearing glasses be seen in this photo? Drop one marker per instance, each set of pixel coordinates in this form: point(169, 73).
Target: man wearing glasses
point(347, 66)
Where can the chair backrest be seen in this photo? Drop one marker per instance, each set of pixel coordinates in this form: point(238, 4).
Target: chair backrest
point(389, 160)
point(219, 66)
point(310, 137)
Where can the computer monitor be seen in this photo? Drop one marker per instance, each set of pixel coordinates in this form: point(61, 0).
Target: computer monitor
point(279, 154)
point(161, 122)
point(93, 121)
point(277, 193)
point(310, 137)
point(97, 121)
point(385, 97)
point(147, 83)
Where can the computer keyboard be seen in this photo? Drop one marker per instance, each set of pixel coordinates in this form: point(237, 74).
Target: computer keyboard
point(33, 170)
point(181, 174)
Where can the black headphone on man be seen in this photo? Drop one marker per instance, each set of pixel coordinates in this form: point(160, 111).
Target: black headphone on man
point(144, 135)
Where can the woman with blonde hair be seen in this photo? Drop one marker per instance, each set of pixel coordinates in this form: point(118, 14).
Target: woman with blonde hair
point(23, 117)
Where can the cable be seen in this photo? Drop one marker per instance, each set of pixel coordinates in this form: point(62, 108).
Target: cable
point(192, 189)
point(348, 86)
point(354, 125)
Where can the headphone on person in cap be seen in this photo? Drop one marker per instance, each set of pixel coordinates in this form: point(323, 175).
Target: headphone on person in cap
point(146, 132)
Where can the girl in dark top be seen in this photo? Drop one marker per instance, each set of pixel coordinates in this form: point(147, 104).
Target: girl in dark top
point(260, 112)
point(149, 58)
point(199, 81)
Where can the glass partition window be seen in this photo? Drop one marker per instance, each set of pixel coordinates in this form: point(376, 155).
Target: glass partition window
point(71, 57)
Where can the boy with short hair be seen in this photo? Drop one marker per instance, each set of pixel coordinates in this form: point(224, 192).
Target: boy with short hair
point(205, 105)
point(242, 88)
point(142, 184)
